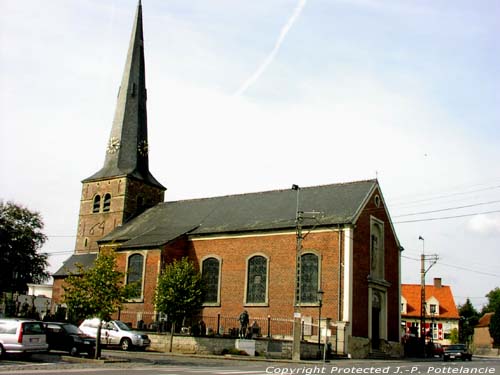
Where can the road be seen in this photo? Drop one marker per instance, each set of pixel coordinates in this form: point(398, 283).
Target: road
point(162, 364)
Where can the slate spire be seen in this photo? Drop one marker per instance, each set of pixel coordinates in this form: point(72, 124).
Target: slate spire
point(127, 150)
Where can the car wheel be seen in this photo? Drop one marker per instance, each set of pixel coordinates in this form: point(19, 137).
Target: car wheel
point(73, 351)
point(126, 344)
point(2, 351)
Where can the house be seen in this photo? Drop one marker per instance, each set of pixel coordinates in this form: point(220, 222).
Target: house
point(246, 245)
point(482, 339)
point(441, 312)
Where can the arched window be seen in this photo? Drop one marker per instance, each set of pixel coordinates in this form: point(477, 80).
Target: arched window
point(107, 203)
point(257, 279)
point(134, 273)
point(97, 204)
point(377, 249)
point(309, 278)
point(210, 276)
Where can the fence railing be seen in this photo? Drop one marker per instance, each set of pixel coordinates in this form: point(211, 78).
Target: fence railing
point(211, 325)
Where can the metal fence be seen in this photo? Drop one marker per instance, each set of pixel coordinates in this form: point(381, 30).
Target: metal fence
point(210, 325)
point(276, 328)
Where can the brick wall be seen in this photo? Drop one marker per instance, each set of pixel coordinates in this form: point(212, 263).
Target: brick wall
point(124, 193)
point(361, 261)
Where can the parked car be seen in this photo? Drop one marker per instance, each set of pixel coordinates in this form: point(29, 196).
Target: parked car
point(69, 338)
point(22, 336)
point(116, 333)
point(456, 351)
point(433, 349)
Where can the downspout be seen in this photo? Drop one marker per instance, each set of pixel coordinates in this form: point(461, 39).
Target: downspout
point(339, 283)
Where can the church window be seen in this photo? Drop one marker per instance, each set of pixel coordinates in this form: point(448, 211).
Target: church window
point(309, 278)
point(257, 280)
point(210, 276)
point(377, 248)
point(135, 273)
point(107, 203)
point(97, 204)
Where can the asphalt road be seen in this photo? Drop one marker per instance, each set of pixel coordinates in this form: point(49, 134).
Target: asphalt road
point(164, 364)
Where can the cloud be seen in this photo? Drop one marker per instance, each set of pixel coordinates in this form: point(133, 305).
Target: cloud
point(269, 59)
point(486, 225)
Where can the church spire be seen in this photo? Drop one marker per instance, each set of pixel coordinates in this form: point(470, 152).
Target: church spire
point(127, 150)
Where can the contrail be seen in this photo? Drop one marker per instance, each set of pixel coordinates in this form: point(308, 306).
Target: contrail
point(250, 81)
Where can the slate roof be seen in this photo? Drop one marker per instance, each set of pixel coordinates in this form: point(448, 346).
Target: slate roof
point(129, 133)
point(70, 264)
point(447, 306)
point(264, 211)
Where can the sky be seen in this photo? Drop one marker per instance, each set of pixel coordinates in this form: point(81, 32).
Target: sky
point(247, 96)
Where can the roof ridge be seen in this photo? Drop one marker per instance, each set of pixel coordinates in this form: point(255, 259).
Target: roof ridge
point(269, 191)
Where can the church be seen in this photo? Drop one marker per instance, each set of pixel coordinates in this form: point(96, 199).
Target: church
point(269, 253)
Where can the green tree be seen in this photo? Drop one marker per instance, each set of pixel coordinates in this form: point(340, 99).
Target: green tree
point(493, 301)
point(469, 317)
point(495, 327)
point(97, 291)
point(21, 237)
point(179, 292)
point(454, 336)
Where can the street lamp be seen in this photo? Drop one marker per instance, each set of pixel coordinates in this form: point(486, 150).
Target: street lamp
point(320, 305)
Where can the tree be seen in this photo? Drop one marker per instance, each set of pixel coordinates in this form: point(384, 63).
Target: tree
point(493, 301)
point(97, 291)
point(495, 327)
point(179, 292)
point(469, 317)
point(21, 237)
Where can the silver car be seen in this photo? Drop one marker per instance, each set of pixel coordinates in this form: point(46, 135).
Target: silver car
point(22, 336)
point(116, 333)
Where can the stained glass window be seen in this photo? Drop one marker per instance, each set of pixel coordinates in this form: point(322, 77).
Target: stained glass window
point(257, 280)
point(134, 274)
point(210, 276)
point(309, 278)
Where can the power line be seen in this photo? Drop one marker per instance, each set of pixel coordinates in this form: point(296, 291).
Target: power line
point(448, 209)
point(446, 217)
point(447, 195)
point(457, 267)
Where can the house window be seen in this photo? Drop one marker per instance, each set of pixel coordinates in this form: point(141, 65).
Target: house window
point(97, 204)
point(432, 308)
point(134, 273)
point(210, 276)
point(257, 280)
point(309, 278)
point(107, 203)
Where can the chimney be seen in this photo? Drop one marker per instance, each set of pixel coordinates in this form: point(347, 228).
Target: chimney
point(437, 282)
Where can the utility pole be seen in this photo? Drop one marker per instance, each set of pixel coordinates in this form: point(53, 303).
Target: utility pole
point(433, 259)
point(297, 319)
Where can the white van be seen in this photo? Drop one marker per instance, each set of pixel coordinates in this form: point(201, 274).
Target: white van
point(116, 333)
point(22, 336)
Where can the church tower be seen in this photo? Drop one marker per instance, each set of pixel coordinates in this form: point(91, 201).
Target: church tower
point(124, 186)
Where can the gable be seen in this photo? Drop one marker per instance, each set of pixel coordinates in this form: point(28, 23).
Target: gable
point(443, 294)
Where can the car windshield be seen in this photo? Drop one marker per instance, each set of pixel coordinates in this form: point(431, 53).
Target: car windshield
point(70, 328)
point(456, 347)
point(122, 325)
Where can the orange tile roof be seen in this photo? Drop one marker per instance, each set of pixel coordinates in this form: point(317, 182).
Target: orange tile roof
point(447, 306)
point(485, 320)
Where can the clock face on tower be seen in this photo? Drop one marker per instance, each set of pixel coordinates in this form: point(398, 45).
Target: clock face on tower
point(113, 145)
point(143, 148)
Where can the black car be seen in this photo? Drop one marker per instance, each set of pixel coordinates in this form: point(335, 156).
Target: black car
point(456, 351)
point(69, 338)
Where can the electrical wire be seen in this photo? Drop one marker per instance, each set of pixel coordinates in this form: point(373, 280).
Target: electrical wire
point(448, 209)
point(446, 217)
